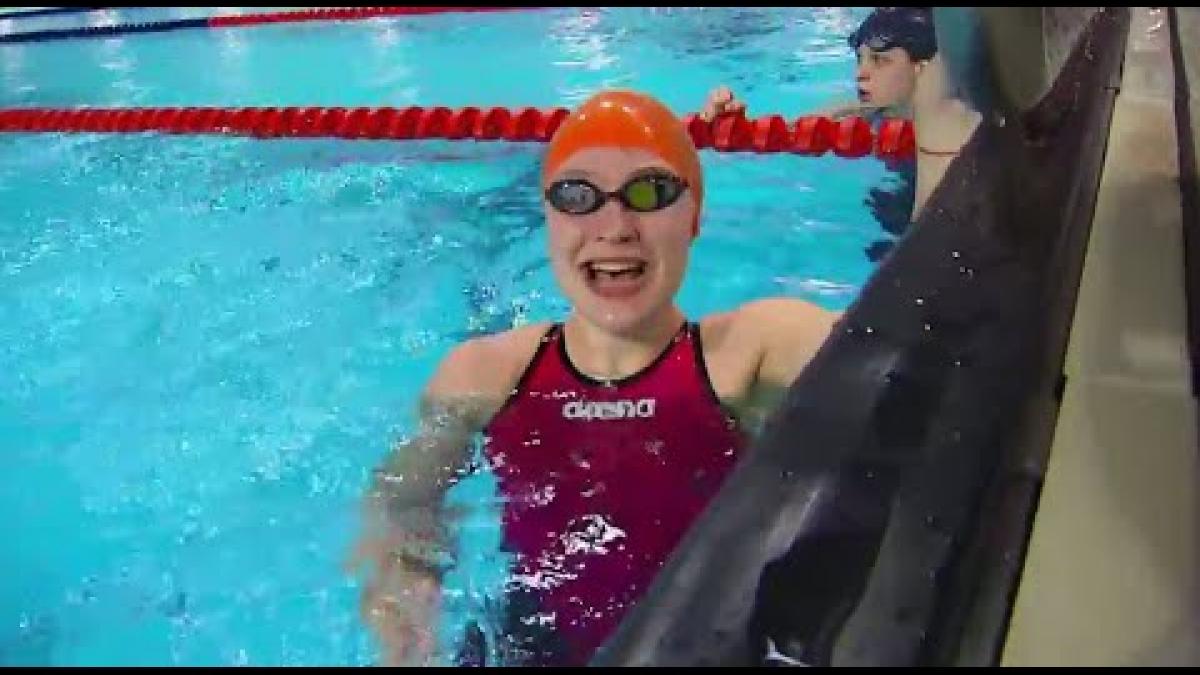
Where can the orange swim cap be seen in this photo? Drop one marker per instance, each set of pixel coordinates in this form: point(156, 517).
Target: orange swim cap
point(627, 119)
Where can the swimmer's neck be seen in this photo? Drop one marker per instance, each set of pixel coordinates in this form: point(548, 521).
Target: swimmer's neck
point(603, 354)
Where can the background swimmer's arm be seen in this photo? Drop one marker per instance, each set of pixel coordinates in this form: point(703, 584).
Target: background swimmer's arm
point(847, 109)
point(721, 101)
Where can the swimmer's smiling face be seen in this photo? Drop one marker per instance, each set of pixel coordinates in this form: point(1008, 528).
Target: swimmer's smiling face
point(619, 268)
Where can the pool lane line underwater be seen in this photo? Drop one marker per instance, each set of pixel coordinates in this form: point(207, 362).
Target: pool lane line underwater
point(49, 11)
point(242, 20)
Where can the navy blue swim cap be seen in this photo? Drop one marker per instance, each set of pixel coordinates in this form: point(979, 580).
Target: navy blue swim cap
point(910, 28)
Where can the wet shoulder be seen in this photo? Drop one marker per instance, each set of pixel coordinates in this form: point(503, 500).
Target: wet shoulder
point(753, 325)
point(787, 331)
point(731, 355)
point(488, 367)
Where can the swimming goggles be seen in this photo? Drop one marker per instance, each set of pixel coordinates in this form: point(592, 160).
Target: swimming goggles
point(644, 193)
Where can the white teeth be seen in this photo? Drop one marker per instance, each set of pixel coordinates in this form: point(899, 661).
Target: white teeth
point(616, 268)
point(613, 270)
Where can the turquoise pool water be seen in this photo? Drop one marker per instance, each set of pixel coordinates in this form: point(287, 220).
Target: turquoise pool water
point(207, 343)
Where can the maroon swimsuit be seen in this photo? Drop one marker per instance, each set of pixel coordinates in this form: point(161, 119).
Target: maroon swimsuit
point(601, 481)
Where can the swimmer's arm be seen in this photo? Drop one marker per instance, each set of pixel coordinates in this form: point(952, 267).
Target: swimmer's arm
point(722, 101)
point(847, 109)
point(470, 385)
point(409, 485)
point(791, 331)
point(405, 541)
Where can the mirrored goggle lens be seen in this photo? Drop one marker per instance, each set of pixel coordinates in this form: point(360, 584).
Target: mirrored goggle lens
point(575, 196)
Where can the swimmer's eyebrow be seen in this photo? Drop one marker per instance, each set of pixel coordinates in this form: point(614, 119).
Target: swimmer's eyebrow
point(574, 173)
point(649, 168)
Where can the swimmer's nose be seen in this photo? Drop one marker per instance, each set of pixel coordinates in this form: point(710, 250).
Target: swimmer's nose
point(616, 224)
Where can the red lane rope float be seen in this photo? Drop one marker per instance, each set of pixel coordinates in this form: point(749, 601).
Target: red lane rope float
point(810, 135)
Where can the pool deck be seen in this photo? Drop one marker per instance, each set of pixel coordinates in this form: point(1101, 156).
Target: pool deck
point(1112, 573)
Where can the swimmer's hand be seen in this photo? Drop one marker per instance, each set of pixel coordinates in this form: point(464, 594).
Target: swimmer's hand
point(721, 101)
point(401, 601)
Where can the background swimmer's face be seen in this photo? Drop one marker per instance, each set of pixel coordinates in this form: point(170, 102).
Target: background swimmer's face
point(885, 78)
point(620, 268)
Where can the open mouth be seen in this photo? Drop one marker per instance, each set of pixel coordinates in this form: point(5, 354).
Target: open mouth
point(864, 96)
point(614, 278)
point(614, 270)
